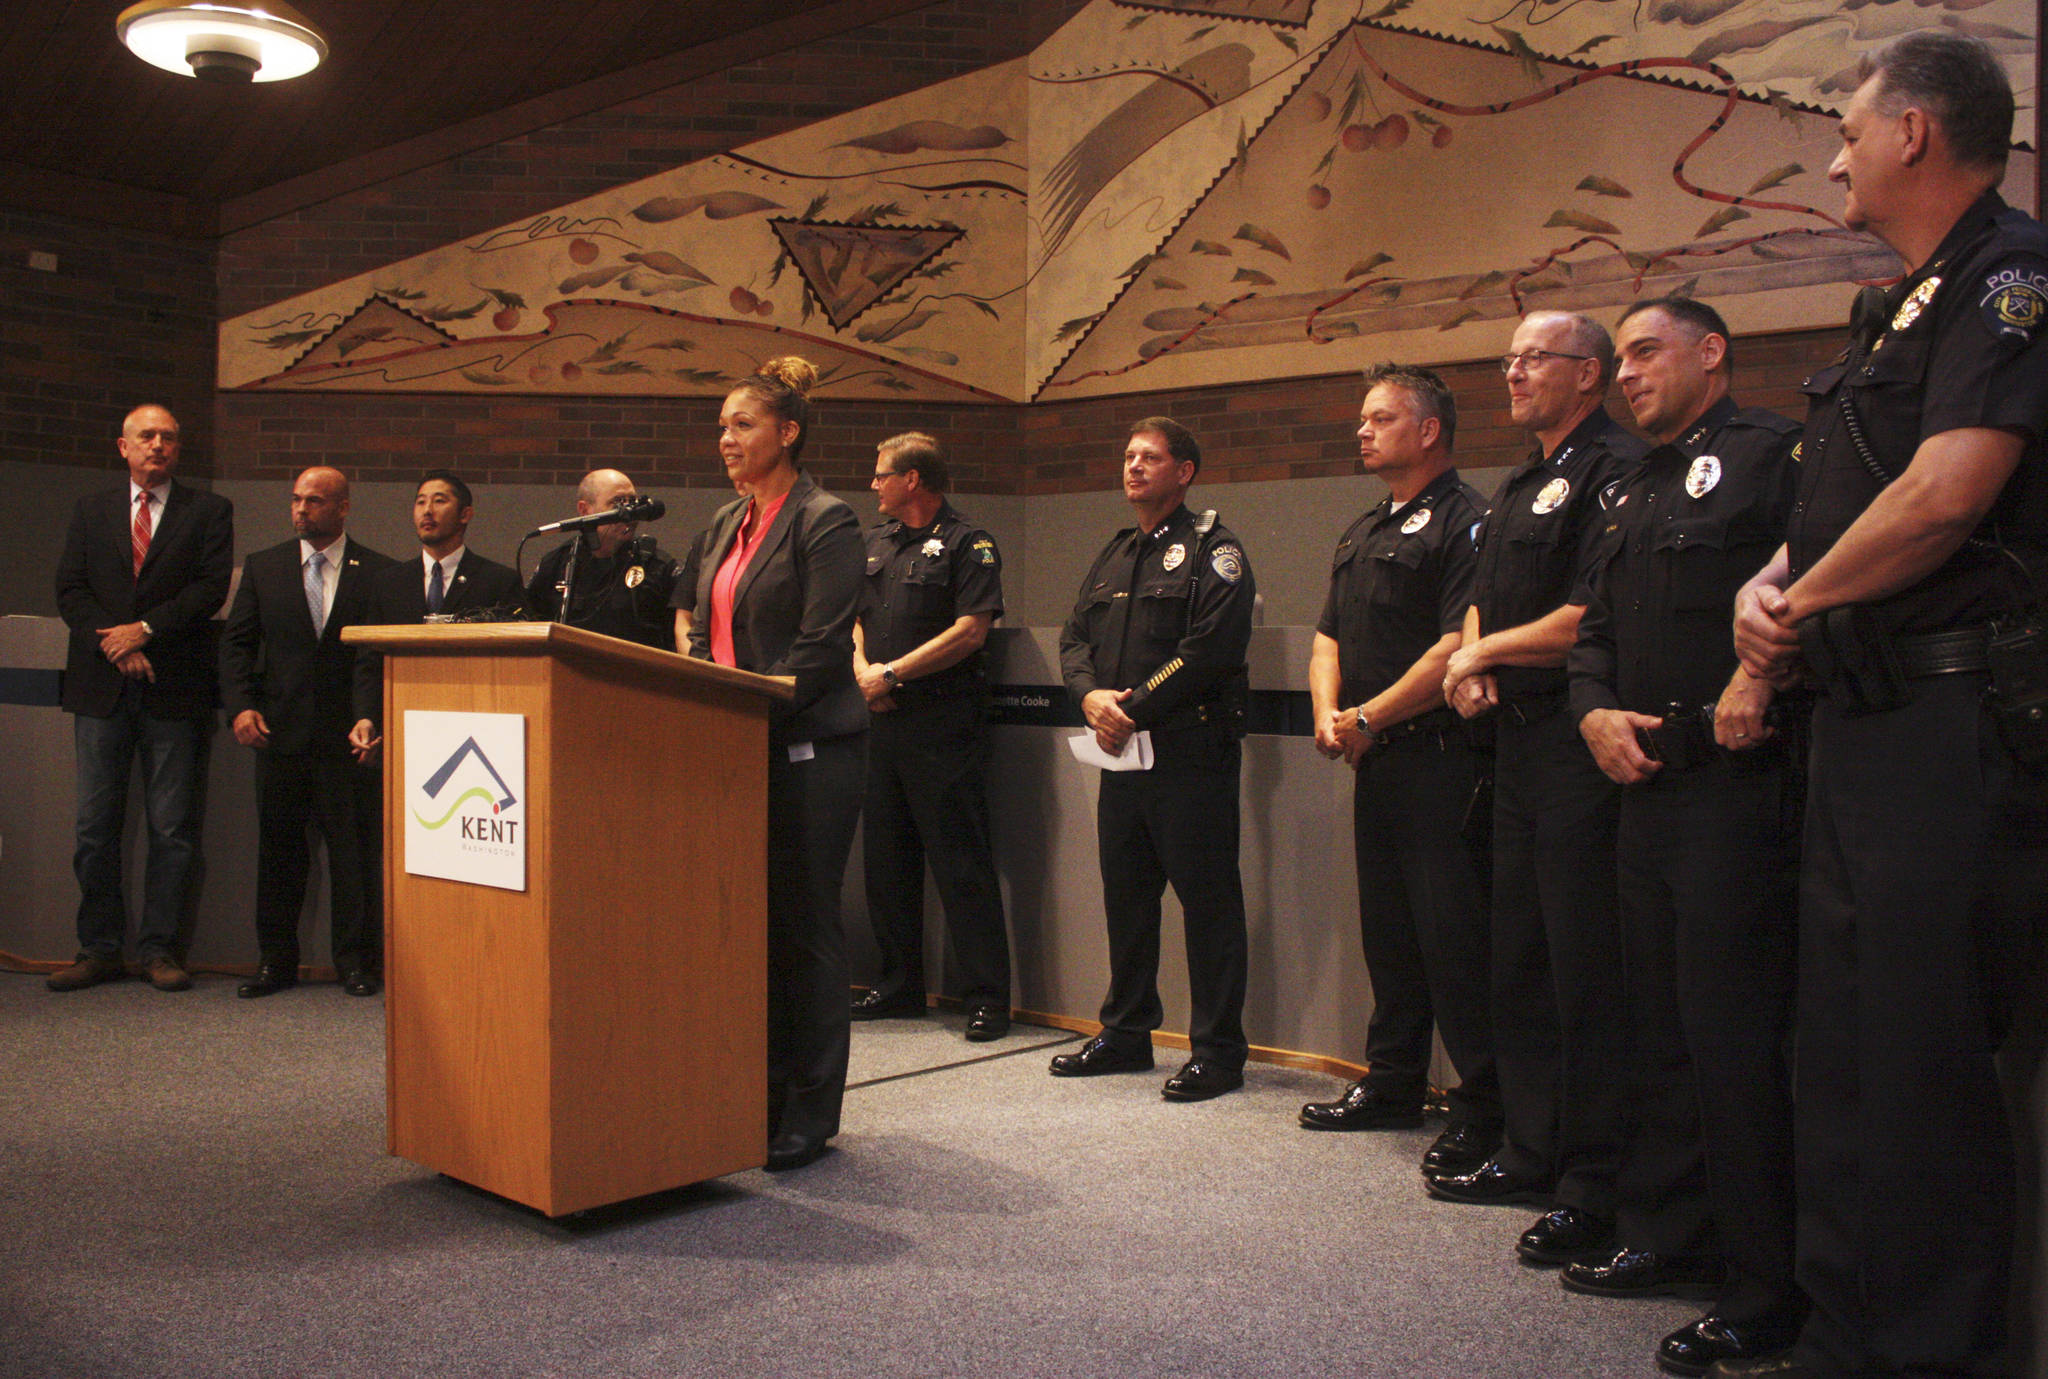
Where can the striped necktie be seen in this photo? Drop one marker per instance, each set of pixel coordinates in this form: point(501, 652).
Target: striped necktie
point(140, 531)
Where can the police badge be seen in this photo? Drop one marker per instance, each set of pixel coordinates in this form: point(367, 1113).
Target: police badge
point(1704, 474)
point(1910, 309)
point(934, 548)
point(1417, 520)
point(1551, 497)
point(634, 576)
point(1175, 554)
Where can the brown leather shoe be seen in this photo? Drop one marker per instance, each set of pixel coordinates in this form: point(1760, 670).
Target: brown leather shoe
point(165, 975)
point(87, 969)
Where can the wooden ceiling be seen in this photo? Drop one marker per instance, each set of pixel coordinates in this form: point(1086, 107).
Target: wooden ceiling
point(87, 128)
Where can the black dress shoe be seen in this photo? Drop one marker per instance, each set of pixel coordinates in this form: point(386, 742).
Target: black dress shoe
point(873, 1005)
point(1566, 1236)
point(360, 983)
point(1461, 1149)
point(1630, 1273)
point(1362, 1107)
point(1199, 1079)
point(1784, 1366)
point(1099, 1055)
point(1487, 1185)
point(792, 1150)
point(986, 1022)
point(1698, 1347)
point(270, 978)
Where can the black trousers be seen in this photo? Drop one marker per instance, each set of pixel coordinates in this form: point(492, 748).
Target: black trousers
point(926, 799)
point(813, 807)
point(1176, 822)
point(344, 801)
point(1709, 898)
point(1423, 916)
point(1921, 879)
point(1559, 1028)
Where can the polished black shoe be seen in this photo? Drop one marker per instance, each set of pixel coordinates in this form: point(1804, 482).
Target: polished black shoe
point(1461, 1149)
point(270, 978)
point(791, 1150)
point(1098, 1055)
point(1697, 1348)
point(1566, 1236)
point(1487, 1185)
point(873, 1005)
point(357, 982)
point(1362, 1107)
point(1199, 1079)
point(1785, 1366)
point(1627, 1273)
point(986, 1022)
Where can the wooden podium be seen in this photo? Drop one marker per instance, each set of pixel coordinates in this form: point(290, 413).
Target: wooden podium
point(601, 1034)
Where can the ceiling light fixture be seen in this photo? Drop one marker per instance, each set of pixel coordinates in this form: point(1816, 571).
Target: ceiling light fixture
point(230, 41)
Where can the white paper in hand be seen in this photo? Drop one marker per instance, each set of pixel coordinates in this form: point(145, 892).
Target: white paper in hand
point(1136, 755)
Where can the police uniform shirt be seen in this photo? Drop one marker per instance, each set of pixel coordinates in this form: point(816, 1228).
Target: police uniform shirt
point(920, 581)
point(1167, 612)
point(1400, 579)
point(1541, 543)
point(624, 595)
point(1964, 343)
point(1701, 517)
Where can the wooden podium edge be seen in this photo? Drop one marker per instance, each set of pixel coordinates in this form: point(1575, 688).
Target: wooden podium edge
point(509, 638)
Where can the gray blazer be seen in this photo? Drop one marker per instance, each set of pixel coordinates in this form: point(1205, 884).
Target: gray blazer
point(793, 611)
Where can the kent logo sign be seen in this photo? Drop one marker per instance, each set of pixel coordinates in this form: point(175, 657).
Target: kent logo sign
point(465, 797)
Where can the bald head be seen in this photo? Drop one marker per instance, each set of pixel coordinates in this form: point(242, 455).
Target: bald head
point(149, 443)
point(600, 491)
point(320, 506)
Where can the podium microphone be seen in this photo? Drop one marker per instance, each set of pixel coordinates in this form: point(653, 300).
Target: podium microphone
point(632, 510)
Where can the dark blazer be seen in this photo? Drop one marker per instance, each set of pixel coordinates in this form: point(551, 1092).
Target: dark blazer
point(183, 581)
point(793, 611)
point(398, 594)
point(271, 661)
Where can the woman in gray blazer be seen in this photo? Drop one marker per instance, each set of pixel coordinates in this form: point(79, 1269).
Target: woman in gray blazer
point(781, 574)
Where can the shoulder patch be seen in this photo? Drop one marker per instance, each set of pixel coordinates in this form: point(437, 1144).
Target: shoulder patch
point(984, 550)
point(1228, 563)
point(2014, 300)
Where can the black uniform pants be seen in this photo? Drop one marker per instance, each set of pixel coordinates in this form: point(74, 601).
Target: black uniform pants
point(813, 807)
point(1559, 1028)
point(345, 802)
point(926, 798)
point(1423, 918)
point(1921, 876)
point(1176, 822)
point(1709, 896)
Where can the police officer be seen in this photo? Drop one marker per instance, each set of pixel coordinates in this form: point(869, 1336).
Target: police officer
point(1156, 644)
point(1399, 587)
point(1557, 1012)
point(1919, 527)
point(1704, 1188)
point(934, 588)
point(621, 582)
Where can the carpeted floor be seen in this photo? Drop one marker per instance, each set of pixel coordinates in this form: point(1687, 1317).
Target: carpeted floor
point(196, 1185)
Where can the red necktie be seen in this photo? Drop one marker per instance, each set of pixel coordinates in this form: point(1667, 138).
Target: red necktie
point(141, 530)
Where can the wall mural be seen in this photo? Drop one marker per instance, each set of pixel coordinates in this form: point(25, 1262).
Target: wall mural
point(1175, 194)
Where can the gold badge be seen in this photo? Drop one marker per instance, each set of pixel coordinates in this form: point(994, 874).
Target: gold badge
point(1910, 309)
point(634, 576)
point(1417, 520)
point(1175, 554)
point(1551, 497)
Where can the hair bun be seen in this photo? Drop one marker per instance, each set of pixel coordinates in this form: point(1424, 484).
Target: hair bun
point(794, 372)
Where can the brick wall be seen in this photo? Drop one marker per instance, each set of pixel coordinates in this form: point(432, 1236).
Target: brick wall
point(127, 318)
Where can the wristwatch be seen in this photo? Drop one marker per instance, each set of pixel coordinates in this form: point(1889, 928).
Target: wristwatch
point(889, 676)
point(1364, 724)
point(147, 630)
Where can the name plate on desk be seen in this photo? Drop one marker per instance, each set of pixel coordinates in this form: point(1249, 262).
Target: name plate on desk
point(465, 797)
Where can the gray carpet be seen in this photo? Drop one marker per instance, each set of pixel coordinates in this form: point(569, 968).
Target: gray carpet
point(196, 1185)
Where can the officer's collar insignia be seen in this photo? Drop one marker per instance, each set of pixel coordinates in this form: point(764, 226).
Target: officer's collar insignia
point(1228, 563)
point(1551, 496)
point(1910, 309)
point(1417, 520)
point(1798, 452)
point(1704, 474)
point(934, 548)
point(634, 576)
point(1175, 554)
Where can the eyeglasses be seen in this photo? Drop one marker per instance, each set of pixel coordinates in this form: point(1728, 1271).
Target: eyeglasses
point(882, 474)
point(1529, 359)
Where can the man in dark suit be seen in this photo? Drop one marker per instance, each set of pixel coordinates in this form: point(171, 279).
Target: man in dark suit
point(144, 568)
point(287, 680)
point(446, 581)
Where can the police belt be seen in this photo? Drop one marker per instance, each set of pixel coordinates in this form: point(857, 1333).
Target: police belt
point(1439, 726)
point(1210, 713)
point(1943, 653)
point(1686, 736)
